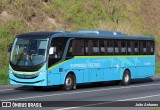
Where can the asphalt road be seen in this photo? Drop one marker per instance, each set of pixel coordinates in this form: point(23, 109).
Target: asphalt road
point(109, 96)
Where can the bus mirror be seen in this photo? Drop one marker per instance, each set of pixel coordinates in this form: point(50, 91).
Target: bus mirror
point(10, 47)
point(51, 50)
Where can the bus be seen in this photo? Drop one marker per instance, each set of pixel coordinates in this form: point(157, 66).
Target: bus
point(65, 58)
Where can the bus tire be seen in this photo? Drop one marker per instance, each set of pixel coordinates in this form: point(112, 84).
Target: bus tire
point(68, 83)
point(126, 79)
point(74, 84)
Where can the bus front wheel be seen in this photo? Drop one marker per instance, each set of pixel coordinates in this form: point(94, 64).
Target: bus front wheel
point(126, 78)
point(68, 83)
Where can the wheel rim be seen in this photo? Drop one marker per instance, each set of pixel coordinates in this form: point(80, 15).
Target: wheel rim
point(126, 78)
point(68, 81)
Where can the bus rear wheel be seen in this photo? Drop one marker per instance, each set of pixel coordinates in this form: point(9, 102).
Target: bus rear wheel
point(126, 78)
point(68, 83)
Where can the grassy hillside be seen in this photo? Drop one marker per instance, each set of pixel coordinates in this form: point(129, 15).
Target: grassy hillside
point(133, 17)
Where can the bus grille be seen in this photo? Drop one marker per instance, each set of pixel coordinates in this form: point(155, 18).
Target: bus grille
point(24, 76)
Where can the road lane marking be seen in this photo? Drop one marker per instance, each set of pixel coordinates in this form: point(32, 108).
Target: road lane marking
point(67, 108)
point(140, 97)
point(69, 93)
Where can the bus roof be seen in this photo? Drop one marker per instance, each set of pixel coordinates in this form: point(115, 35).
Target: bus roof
point(86, 34)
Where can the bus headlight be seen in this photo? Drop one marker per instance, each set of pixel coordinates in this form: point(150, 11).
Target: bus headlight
point(42, 72)
point(10, 71)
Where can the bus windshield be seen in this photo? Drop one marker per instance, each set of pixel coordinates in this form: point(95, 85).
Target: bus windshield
point(28, 51)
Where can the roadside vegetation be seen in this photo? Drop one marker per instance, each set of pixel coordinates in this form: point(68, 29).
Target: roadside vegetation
point(133, 17)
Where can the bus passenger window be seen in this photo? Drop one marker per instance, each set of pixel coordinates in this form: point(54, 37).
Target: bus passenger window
point(144, 48)
point(141, 47)
point(152, 48)
point(123, 47)
point(136, 49)
point(76, 48)
point(102, 47)
point(95, 47)
point(130, 47)
point(105, 46)
point(116, 47)
point(110, 47)
point(88, 47)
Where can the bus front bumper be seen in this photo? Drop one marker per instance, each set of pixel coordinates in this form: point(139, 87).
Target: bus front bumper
point(38, 81)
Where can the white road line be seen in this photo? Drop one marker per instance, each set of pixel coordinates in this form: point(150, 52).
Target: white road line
point(140, 97)
point(69, 93)
point(67, 108)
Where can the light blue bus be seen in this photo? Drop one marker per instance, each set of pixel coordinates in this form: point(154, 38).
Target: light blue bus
point(65, 58)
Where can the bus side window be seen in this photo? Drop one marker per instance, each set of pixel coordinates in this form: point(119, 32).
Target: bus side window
point(79, 47)
point(102, 47)
point(136, 49)
point(123, 48)
point(95, 47)
point(129, 51)
point(76, 48)
point(144, 47)
point(141, 47)
point(116, 47)
point(148, 47)
point(132, 47)
point(152, 48)
point(70, 50)
point(105, 46)
point(88, 47)
point(110, 47)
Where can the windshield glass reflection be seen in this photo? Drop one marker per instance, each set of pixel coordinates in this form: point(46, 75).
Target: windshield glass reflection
point(29, 52)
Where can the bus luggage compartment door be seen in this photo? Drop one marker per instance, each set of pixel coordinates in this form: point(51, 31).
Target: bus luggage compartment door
point(95, 75)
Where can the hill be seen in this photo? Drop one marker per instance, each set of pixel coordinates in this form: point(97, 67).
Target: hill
point(133, 17)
